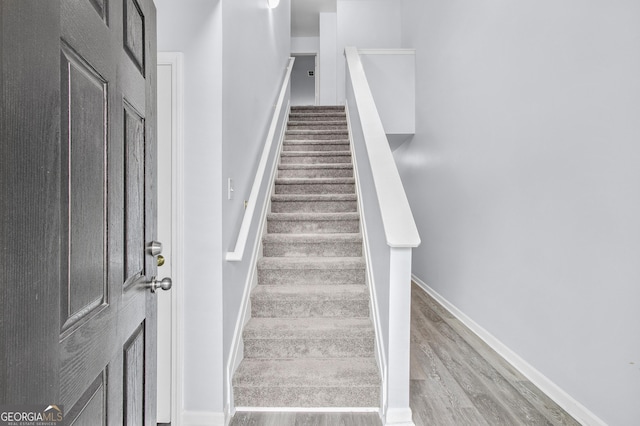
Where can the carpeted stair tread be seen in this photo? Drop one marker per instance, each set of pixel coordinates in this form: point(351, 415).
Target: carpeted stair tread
point(308, 328)
point(305, 108)
point(315, 170)
point(318, 143)
point(308, 372)
point(307, 382)
point(313, 197)
point(312, 238)
point(301, 245)
point(316, 154)
point(317, 125)
point(315, 166)
point(313, 216)
point(334, 144)
point(312, 263)
point(308, 338)
point(310, 292)
point(313, 222)
point(316, 135)
point(311, 181)
point(315, 185)
point(293, 132)
point(296, 118)
point(310, 301)
point(315, 157)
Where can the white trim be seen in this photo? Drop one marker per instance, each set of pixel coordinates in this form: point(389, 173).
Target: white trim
point(175, 60)
point(399, 338)
point(237, 349)
point(203, 418)
point(553, 391)
point(399, 226)
point(387, 51)
point(308, 409)
point(316, 71)
point(380, 353)
point(238, 252)
point(399, 417)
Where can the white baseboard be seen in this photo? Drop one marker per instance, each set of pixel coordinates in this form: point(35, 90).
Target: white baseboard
point(553, 391)
point(203, 418)
point(399, 417)
point(308, 409)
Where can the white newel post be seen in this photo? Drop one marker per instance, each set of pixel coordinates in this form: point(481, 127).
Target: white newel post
point(398, 410)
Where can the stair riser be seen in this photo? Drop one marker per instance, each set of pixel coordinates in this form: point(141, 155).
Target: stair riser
point(362, 396)
point(316, 159)
point(317, 126)
point(313, 206)
point(310, 118)
point(312, 109)
point(323, 188)
point(306, 146)
point(361, 346)
point(315, 173)
point(310, 276)
point(348, 308)
point(325, 249)
point(312, 226)
point(358, 308)
point(303, 136)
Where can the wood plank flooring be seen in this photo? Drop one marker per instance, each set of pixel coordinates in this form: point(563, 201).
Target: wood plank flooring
point(456, 380)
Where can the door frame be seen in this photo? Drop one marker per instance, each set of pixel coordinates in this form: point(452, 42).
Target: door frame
point(175, 61)
point(315, 71)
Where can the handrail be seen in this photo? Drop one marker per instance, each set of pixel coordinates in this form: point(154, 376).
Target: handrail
point(399, 226)
point(238, 252)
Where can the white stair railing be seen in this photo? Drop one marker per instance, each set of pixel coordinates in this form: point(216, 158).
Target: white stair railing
point(390, 233)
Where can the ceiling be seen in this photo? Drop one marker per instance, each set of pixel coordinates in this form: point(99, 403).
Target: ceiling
point(305, 18)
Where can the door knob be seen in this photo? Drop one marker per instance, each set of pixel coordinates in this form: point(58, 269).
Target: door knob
point(154, 248)
point(154, 284)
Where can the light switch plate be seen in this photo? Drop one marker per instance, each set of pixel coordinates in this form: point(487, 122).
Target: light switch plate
point(230, 189)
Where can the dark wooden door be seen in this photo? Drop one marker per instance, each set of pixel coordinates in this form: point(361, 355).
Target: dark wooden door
point(77, 160)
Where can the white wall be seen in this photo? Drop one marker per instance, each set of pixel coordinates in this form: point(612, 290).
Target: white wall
point(303, 87)
point(195, 28)
point(230, 91)
point(305, 44)
point(365, 24)
point(257, 45)
point(391, 74)
point(327, 59)
point(523, 177)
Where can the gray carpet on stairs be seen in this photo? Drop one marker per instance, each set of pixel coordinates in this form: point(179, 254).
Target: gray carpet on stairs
point(310, 340)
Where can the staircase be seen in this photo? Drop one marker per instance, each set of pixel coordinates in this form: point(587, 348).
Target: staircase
point(310, 341)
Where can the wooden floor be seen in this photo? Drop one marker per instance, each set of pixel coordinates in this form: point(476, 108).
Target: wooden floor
point(456, 380)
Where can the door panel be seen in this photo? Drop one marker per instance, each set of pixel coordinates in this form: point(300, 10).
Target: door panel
point(134, 196)
point(83, 188)
point(134, 33)
point(134, 378)
point(91, 408)
point(78, 167)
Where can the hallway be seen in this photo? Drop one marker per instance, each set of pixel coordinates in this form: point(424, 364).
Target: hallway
point(456, 379)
